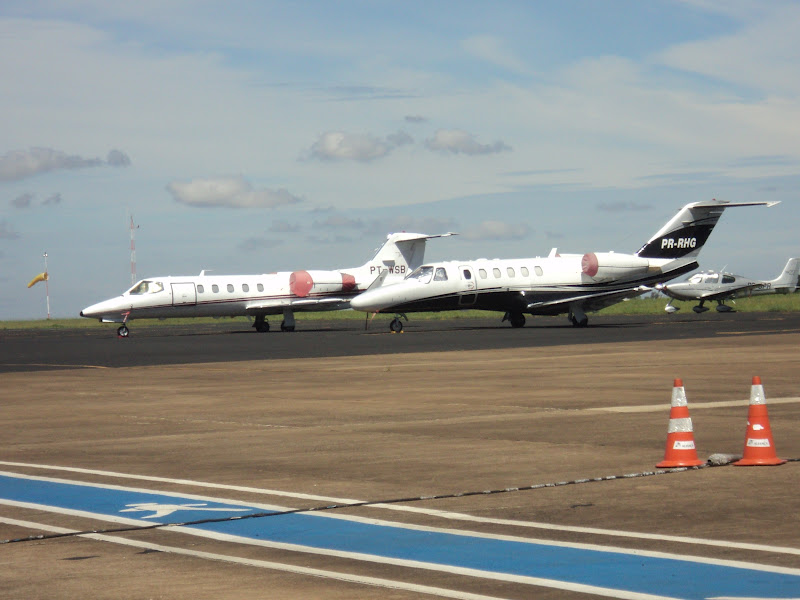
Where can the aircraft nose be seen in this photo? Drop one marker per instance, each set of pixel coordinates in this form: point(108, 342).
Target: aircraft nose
point(361, 302)
point(100, 309)
point(371, 301)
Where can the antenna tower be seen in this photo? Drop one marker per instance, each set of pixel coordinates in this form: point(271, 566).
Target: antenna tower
point(133, 251)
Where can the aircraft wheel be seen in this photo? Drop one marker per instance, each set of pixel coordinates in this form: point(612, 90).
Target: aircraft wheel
point(396, 326)
point(285, 327)
point(123, 331)
point(516, 319)
point(261, 324)
point(580, 322)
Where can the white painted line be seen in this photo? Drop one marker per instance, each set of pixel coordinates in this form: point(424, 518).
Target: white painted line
point(373, 581)
point(692, 405)
point(410, 509)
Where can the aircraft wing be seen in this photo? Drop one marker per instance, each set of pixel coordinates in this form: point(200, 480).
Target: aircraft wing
point(727, 293)
point(294, 303)
point(593, 300)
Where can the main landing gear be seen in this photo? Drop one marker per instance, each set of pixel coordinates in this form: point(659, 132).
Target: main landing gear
point(262, 325)
point(577, 317)
point(516, 319)
point(721, 307)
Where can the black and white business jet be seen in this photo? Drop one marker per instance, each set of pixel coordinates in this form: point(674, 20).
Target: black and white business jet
point(572, 284)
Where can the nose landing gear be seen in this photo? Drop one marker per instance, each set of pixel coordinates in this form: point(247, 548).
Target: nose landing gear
point(396, 325)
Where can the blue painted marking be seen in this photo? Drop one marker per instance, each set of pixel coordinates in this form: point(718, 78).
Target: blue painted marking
point(614, 570)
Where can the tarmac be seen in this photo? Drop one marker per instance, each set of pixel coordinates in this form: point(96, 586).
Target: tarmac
point(546, 434)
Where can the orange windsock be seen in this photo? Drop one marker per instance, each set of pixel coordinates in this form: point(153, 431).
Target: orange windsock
point(680, 451)
point(759, 449)
point(40, 277)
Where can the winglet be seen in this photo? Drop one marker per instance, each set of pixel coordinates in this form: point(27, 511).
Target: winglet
point(378, 282)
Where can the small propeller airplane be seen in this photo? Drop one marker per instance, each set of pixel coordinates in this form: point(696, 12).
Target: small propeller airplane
point(721, 286)
point(559, 283)
point(261, 295)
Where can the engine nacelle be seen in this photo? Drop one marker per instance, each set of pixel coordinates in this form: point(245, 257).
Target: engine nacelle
point(609, 266)
point(304, 283)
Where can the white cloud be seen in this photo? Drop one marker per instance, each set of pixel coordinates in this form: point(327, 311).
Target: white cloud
point(20, 164)
point(338, 145)
point(255, 244)
point(7, 231)
point(456, 141)
point(497, 230)
point(763, 56)
point(117, 158)
point(493, 50)
point(23, 200)
point(233, 192)
point(52, 199)
point(280, 226)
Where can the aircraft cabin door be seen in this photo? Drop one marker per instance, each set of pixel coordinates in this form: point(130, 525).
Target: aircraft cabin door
point(467, 296)
point(183, 294)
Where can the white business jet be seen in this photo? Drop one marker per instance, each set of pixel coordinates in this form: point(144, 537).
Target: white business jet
point(560, 283)
point(261, 295)
point(721, 286)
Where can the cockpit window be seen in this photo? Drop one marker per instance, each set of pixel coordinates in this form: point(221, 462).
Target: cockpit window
point(441, 274)
point(422, 274)
point(146, 287)
point(696, 278)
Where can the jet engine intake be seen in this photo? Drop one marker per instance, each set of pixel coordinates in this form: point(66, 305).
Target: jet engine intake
point(304, 283)
point(609, 266)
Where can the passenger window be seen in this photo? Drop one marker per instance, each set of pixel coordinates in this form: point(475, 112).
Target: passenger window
point(539, 271)
point(496, 273)
point(441, 275)
point(524, 271)
point(200, 289)
point(260, 287)
point(245, 288)
point(215, 288)
point(510, 271)
point(230, 287)
point(467, 274)
point(482, 273)
point(728, 278)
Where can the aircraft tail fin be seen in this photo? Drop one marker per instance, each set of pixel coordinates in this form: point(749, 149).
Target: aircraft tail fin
point(402, 253)
point(788, 278)
point(684, 235)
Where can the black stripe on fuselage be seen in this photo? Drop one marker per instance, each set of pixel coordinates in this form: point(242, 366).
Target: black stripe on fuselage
point(519, 298)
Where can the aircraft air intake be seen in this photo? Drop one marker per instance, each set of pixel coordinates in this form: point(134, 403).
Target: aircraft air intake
point(609, 266)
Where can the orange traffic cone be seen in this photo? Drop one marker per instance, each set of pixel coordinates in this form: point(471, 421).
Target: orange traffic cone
point(680, 450)
point(759, 449)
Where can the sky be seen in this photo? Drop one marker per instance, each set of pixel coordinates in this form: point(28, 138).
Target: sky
point(251, 137)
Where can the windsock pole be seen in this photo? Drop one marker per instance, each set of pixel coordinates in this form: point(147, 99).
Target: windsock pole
point(47, 285)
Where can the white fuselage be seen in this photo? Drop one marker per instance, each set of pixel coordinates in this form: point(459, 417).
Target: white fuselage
point(233, 295)
point(525, 285)
point(261, 295)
